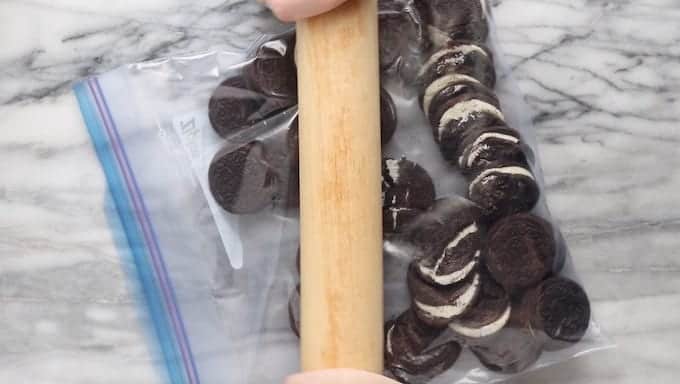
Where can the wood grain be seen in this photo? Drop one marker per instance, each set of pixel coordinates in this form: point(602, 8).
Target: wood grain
point(341, 230)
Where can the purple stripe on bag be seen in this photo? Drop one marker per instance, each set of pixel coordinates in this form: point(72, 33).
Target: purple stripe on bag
point(150, 238)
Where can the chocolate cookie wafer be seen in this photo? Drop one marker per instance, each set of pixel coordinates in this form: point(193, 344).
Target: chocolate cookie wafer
point(520, 251)
point(559, 307)
point(487, 316)
point(503, 189)
point(272, 71)
point(437, 305)
point(460, 57)
point(483, 147)
point(408, 354)
point(241, 179)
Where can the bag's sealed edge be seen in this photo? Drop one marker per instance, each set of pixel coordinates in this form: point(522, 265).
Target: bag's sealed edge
point(141, 239)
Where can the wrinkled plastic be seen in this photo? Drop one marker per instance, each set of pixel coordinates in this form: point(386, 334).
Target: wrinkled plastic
point(220, 268)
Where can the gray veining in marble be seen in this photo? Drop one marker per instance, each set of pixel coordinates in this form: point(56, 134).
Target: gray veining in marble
point(603, 82)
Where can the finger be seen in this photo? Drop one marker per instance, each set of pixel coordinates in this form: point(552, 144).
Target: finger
point(293, 10)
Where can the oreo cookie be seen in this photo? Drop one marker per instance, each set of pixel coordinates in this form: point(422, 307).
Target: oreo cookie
point(407, 355)
point(391, 46)
point(406, 184)
point(483, 147)
point(449, 90)
point(468, 114)
point(520, 251)
point(242, 181)
point(511, 350)
point(407, 190)
point(559, 307)
point(462, 238)
point(395, 219)
point(437, 305)
point(400, 35)
point(463, 58)
point(504, 189)
point(454, 19)
point(232, 107)
point(436, 38)
point(487, 316)
point(272, 71)
point(435, 230)
point(388, 117)
point(402, 39)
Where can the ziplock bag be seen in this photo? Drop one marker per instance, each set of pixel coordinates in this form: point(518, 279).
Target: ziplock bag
point(200, 153)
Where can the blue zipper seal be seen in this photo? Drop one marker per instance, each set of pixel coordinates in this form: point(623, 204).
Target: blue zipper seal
point(141, 238)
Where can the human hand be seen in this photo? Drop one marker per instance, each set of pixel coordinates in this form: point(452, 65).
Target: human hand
point(338, 376)
point(292, 10)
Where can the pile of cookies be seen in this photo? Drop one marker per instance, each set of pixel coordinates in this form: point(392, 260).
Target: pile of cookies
point(492, 286)
point(260, 173)
point(484, 272)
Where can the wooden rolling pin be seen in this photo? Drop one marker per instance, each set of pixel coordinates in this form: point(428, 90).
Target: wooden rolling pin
point(340, 169)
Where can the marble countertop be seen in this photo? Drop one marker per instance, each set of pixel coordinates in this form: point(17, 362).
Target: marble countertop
point(603, 81)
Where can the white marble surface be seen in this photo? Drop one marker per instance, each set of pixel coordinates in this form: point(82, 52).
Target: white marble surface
point(602, 78)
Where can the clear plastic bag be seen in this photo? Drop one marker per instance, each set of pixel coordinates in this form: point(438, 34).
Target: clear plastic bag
point(200, 153)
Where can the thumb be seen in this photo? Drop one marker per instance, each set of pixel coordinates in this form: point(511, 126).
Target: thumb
point(338, 376)
point(292, 10)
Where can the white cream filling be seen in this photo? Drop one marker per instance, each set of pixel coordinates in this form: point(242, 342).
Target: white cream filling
point(463, 49)
point(455, 276)
point(486, 330)
point(436, 86)
point(464, 110)
point(475, 152)
point(477, 148)
point(388, 345)
point(452, 277)
point(467, 231)
point(395, 214)
point(494, 135)
point(393, 169)
point(513, 170)
point(456, 308)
